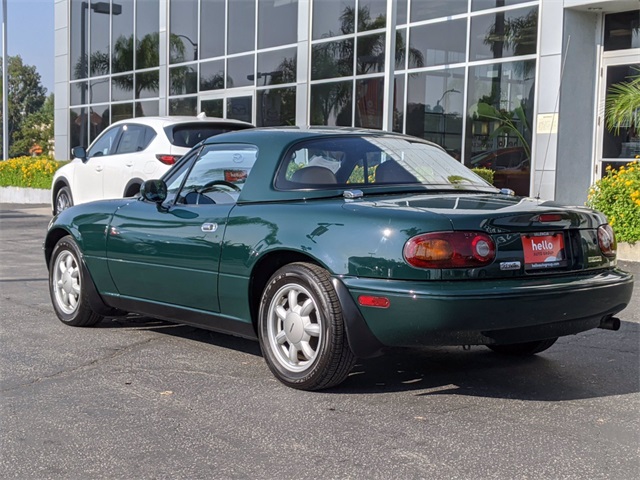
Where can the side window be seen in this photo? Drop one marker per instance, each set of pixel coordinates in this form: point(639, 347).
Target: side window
point(218, 174)
point(133, 139)
point(105, 145)
point(175, 177)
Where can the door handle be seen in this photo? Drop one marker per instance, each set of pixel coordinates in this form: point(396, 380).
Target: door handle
point(99, 168)
point(129, 164)
point(209, 227)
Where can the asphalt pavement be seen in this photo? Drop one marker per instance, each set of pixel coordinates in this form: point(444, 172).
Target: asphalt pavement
point(138, 398)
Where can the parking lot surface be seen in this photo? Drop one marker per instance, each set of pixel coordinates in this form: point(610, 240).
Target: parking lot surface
point(139, 398)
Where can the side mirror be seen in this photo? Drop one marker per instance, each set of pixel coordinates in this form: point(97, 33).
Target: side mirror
point(154, 191)
point(79, 152)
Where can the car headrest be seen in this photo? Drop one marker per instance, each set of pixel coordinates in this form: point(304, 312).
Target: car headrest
point(314, 175)
point(392, 172)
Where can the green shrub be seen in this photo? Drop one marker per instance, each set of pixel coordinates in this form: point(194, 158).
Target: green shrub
point(617, 195)
point(33, 172)
point(485, 173)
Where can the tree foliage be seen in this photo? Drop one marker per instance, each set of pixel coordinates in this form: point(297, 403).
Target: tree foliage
point(26, 97)
point(622, 107)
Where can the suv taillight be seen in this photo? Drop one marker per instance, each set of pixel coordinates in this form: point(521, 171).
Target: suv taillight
point(450, 250)
point(168, 159)
point(607, 240)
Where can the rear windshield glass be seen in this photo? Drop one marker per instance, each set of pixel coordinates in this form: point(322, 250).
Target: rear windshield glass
point(190, 135)
point(347, 162)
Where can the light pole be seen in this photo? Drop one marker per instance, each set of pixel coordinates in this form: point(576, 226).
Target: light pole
point(5, 85)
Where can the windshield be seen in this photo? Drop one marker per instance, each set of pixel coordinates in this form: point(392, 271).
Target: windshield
point(357, 162)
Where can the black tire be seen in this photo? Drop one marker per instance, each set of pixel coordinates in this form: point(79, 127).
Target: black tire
point(66, 279)
point(132, 190)
point(523, 349)
point(315, 320)
point(64, 200)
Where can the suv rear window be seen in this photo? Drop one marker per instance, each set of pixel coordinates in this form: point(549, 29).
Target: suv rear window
point(189, 135)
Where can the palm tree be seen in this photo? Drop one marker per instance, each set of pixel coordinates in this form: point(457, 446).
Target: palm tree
point(622, 107)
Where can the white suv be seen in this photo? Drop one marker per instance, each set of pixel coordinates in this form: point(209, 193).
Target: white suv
point(129, 152)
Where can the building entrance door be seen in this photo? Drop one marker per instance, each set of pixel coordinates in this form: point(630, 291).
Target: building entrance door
point(616, 146)
point(238, 106)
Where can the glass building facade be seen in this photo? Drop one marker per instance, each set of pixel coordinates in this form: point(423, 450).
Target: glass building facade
point(474, 76)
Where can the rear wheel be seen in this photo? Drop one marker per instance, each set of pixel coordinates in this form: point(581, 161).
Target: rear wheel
point(301, 329)
point(63, 200)
point(523, 349)
point(69, 298)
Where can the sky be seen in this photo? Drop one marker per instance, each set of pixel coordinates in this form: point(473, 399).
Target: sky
point(30, 35)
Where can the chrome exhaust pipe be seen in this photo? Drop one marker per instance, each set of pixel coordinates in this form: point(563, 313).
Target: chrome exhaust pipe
point(610, 323)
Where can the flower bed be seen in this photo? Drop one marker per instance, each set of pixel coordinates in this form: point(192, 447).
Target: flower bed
point(30, 172)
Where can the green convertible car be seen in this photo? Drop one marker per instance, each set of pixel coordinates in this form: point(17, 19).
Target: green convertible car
point(327, 245)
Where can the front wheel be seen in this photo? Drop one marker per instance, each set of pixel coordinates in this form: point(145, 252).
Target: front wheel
point(66, 285)
point(63, 200)
point(523, 349)
point(301, 329)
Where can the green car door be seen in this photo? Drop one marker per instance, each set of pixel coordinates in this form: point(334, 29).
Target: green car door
point(170, 253)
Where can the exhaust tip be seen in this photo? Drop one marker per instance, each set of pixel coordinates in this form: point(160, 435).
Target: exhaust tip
point(610, 323)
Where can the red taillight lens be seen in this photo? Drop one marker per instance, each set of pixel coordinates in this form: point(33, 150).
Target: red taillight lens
point(168, 159)
point(450, 250)
point(607, 240)
point(549, 217)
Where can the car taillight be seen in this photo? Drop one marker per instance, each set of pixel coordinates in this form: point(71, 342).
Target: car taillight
point(607, 240)
point(450, 250)
point(168, 159)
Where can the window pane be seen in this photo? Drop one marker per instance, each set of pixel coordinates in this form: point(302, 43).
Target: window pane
point(332, 59)
point(623, 143)
point(484, 4)
point(78, 128)
point(369, 100)
point(622, 30)
point(147, 84)
point(500, 109)
point(183, 106)
point(79, 39)
point(183, 80)
point(435, 106)
point(371, 54)
point(240, 71)
point(429, 9)
point(212, 75)
point(439, 43)
point(277, 66)
point(398, 104)
point(276, 106)
point(212, 18)
point(273, 15)
point(149, 108)
point(121, 88)
point(132, 139)
point(147, 27)
point(99, 38)
point(401, 12)
point(121, 111)
point(98, 120)
point(242, 15)
point(331, 18)
point(212, 108)
point(122, 38)
point(239, 108)
point(78, 93)
point(99, 91)
point(183, 30)
point(372, 14)
point(504, 34)
point(331, 104)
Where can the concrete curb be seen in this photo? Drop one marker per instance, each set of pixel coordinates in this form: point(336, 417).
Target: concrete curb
point(628, 252)
point(24, 195)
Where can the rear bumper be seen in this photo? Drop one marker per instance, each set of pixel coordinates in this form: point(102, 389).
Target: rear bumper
point(489, 311)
